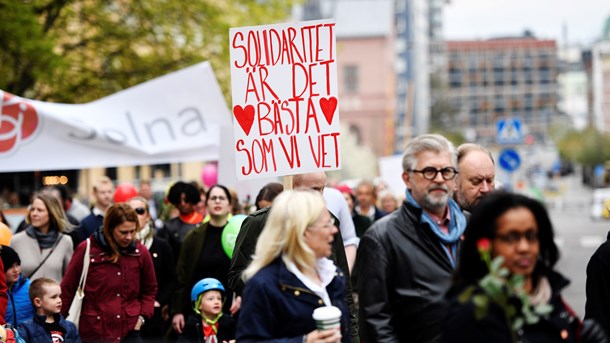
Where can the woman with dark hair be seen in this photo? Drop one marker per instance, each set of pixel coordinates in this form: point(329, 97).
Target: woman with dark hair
point(121, 285)
point(164, 264)
point(202, 257)
point(45, 249)
point(517, 229)
point(267, 194)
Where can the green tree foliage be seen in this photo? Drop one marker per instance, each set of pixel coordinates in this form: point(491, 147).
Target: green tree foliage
point(443, 115)
point(26, 51)
point(587, 147)
point(76, 51)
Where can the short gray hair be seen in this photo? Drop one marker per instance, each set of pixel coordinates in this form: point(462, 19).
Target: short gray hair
point(428, 142)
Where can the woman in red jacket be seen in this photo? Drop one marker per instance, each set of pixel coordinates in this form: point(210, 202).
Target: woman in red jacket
point(121, 285)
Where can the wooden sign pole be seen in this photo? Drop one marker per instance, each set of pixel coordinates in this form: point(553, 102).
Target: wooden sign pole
point(287, 182)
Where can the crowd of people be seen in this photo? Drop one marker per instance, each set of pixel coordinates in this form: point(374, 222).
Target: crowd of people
point(454, 259)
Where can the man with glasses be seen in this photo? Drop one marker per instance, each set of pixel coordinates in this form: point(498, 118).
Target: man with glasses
point(477, 175)
point(406, 259)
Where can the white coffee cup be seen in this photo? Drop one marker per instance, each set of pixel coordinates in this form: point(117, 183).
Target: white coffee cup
point(327, 317)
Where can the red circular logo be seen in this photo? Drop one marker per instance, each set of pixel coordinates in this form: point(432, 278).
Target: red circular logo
point(18, 122)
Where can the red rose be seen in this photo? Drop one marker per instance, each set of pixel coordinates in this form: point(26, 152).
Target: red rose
point(483, 245)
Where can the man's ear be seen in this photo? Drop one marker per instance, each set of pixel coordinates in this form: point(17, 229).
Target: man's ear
point(456, 182)
point(406, 177)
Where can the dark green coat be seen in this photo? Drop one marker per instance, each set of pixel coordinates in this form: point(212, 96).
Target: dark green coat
point(185, 268)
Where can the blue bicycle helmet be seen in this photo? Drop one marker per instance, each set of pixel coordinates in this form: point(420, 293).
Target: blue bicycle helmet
point(202, 286)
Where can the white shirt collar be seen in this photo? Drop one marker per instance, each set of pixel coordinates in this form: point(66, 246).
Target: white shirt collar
point(325, 268)
point(370, 213)
point(97, 212)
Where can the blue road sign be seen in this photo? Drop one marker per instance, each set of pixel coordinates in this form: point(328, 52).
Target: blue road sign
point(509, 131)
point(509, 160)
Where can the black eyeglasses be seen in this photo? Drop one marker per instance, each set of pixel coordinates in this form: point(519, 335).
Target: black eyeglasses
point(514, 237)
point(429, 173)
point(140, 210)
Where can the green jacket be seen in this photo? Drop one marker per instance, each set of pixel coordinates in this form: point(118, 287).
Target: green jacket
point(245, 245)
point(189, 255)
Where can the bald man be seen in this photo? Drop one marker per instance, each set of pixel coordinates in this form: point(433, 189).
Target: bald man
point(252, 227)
point(337, 205)
point(477, 173)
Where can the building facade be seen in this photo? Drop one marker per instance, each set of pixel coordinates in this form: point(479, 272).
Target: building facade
point(572, 86)
point(501, 79)
point(601, 84)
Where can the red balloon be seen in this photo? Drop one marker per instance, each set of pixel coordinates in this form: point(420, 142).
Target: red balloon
point(124, 192)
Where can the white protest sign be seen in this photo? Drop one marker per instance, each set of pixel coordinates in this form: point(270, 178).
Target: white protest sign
point(390, 171)
point(174, 118)
point(285, 108)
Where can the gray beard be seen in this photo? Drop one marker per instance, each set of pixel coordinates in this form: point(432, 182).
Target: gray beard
point(434, 203)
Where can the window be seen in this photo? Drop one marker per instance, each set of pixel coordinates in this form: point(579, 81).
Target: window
point(527, 62)
point(351, 78)
point(545, 76)
point(160, 170)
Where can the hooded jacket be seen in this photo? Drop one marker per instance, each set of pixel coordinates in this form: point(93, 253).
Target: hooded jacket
point(19, 307)
point(33, 330)
point(115, 293)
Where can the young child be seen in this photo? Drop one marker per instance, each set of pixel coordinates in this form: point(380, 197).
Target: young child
point(208, 324)
point(48, 325)
point(19, 308)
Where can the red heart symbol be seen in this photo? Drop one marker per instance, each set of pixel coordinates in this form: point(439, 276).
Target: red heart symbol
point(328, 108)
point(245, 117)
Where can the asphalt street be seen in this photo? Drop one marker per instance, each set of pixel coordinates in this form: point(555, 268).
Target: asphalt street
point(577, 235)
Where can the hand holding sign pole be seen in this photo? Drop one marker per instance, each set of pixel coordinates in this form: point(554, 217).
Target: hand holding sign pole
point(285, 105)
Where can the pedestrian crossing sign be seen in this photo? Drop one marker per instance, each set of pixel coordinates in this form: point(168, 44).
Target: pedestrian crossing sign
point(509, 131)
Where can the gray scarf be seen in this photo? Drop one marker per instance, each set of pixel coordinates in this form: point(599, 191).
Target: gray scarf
point(45, 241)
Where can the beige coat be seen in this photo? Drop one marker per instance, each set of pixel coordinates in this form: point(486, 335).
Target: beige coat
point(31, 256)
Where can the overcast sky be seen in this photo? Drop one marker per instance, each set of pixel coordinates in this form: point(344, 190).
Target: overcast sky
point(482, 19)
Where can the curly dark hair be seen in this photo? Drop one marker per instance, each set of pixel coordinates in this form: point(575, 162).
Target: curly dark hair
point(191, 194)
point(483, 224)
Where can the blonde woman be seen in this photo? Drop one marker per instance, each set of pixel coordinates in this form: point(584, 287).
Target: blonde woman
point(291, 275)
point(45, 250)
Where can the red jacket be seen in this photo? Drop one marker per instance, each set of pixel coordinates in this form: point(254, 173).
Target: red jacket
point(3, 294)
point(115, 293)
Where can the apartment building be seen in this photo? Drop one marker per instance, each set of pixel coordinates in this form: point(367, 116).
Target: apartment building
point(503, 78)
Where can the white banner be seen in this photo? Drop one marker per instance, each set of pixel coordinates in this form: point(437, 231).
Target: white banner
point(174, 118)
point(284, 87)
